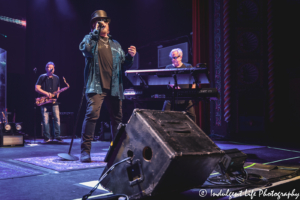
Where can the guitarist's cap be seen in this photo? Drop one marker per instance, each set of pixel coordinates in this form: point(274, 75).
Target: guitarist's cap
point(50, 63)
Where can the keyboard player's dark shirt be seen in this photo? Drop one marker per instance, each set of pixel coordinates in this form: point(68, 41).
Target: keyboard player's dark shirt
point(182, 104)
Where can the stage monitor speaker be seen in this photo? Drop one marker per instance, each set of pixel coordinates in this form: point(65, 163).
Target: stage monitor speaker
point(169, 152)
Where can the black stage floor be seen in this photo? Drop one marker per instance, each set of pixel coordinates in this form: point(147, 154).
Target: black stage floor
point(42, 182)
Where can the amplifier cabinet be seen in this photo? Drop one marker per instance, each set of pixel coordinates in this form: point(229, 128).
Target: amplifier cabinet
point(11, 140)
point(66, 124)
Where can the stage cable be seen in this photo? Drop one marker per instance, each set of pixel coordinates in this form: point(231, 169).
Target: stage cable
point(103, 176)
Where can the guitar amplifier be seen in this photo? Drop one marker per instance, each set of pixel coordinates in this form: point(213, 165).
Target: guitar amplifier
point(10, 137)
point(66, 123)
point(11, 140)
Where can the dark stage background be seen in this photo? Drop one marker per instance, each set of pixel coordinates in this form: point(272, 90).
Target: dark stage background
point(56, 27)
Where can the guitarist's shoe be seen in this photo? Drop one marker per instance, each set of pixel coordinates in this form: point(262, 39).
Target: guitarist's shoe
point(85, 157)
point(59, 139)
point(47, 140)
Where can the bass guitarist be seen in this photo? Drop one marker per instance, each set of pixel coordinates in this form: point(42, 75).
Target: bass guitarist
point(46, 85)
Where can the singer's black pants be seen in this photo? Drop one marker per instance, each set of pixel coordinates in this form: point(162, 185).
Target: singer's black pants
point(94, 104)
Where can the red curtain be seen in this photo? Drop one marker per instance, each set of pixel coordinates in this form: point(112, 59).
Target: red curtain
point(200, 46)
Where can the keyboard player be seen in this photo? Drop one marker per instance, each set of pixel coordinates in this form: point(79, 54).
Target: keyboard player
point(181, 105)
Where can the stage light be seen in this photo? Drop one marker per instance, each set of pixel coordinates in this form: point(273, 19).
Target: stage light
point(3, 35)
point(9, 136)
point(23, 22)
point(10, 132)
point(18, 126)
point(12, 127)
point(12, 20)
point(7, 127)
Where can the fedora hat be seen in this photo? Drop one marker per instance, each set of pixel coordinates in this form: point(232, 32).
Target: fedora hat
point(97, 15)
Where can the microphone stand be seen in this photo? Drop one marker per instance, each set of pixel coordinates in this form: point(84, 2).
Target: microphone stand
point(68, 156)
point(174, 92)
point(34, 126)
point(34, 114)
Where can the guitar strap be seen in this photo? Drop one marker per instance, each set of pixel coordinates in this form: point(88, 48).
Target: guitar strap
point(43, 83)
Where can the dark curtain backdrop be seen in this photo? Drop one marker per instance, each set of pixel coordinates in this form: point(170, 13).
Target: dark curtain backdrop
point(287, 70)
point(201, 52)
point(13, 40)
point(12, 35)
point(55, 28)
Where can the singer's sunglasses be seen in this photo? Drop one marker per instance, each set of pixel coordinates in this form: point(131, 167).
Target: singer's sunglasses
point(103, 20)
point(175, 57)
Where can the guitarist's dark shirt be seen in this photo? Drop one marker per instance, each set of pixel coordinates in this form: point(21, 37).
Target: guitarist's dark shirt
point(48, 84)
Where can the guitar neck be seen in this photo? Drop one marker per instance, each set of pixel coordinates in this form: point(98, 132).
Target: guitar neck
point(60, 91)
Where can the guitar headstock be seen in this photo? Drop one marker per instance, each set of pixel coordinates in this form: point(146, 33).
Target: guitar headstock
point(66, 82)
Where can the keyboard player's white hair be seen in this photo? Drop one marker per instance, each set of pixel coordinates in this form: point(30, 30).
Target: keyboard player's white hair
point(178, 50)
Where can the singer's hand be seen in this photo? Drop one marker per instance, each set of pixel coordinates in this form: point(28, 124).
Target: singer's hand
point(97, 26)
point(194, 86)
point(132, 51)
point(100, 24)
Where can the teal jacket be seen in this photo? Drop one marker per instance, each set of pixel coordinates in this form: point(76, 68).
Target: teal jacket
point(92, 79)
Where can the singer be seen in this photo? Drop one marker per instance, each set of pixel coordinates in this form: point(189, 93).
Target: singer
point(47, 84)
point(104, 59)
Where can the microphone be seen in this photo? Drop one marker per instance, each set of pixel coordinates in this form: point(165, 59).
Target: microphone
point(101, 25)
point(51, 70)
point(96, 31)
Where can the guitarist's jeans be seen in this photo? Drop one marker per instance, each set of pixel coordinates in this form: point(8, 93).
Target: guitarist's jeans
point(56, 121)
point(94, 104)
